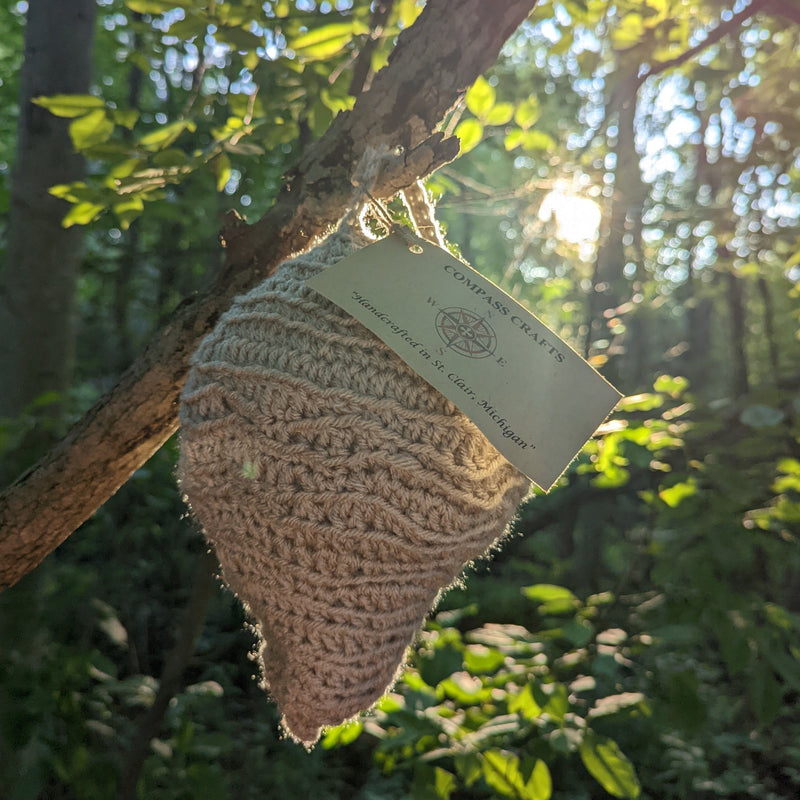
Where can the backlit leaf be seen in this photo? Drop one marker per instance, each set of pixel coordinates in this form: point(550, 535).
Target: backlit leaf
point(628, 31)
point(500, 114)
point(156, 6)
point(480, 97)
point(640, 402)
point(501, 770)
point(222, 170)
point(82, 214)
point(609, 766)
point(125, 118)
point(674, 386)
point(539, 785)
point(128, 210)
point(165, 135)
point(537, 140)
point(470, 133)
point(552, 599)
point(513, 138)
point(527, 112)
point(675, 495)
point(327, 41)
point(69, 105)
point(90, 129)
point(342, 734)
point(524, 703)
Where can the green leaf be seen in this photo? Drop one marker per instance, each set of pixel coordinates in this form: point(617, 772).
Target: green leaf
point(435, 666)
point(513, 138)
point(470, 132)
point(82, 214)
point(432, 783)
point(500, 114)
point(128, 210)
point(165, 135)
point(444, 783)
point(527, 112)
point(169, 158)
point(540, 785)
point(342, 735)
point(480, 97)
point(464, 688)
point(240, 39)
point(482, 660)
point(127, 118)
point(90, 129)
point(557, 703)
point(76, 192)
point(156, 6)
point(529, 140)
point(192, 26)
point(628, 31)
point(537, 140)
point(674, 386)
point(640, 402)
point(222, 170)
point(578, 632)
point(322, 43)
point(336, 103)
point(609, 766)
point(524, 703)
point(501, 770)
point(122, 170)
point(69, 105)
point(552, 599)
point(675, 495)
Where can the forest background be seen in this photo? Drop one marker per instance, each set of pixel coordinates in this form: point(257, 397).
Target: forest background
point(629, 172)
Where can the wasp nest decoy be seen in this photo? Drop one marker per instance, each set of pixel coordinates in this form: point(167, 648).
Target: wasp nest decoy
point(341, 491)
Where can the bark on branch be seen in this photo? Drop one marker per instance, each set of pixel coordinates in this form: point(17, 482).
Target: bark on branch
point(434, 62)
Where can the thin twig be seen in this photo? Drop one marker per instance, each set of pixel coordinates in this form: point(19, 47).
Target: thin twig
point(194, 617)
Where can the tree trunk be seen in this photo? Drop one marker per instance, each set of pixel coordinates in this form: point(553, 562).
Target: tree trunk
point(430, 69)
point(37, 284)
point(740, 379)
point(621, 217)
point(769, 327)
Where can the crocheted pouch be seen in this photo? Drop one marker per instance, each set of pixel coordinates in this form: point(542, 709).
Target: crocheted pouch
point(340, 490)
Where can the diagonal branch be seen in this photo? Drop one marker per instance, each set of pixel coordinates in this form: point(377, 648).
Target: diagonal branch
point(628, 85)
point(435, 60)
point(362, 69)
point(722, 29)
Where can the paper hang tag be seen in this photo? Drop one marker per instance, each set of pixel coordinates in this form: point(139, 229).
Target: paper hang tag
point(534, 398)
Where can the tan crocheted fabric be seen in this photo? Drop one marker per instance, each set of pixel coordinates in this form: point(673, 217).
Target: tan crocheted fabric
point(341, 491)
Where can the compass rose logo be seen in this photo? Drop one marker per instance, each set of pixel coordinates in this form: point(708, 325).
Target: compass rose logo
point(465, 332)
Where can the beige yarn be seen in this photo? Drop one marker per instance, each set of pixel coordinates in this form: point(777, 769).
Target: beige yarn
point(340, 490)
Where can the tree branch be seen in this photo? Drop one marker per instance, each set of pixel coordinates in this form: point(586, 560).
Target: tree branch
point(362, 68)
point(722, 29)
point(435, 60)
point(628, 86)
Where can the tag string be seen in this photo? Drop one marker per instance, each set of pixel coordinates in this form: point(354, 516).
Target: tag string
point(415, 199)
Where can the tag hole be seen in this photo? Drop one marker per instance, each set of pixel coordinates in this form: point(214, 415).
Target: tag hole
point(415, 249)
